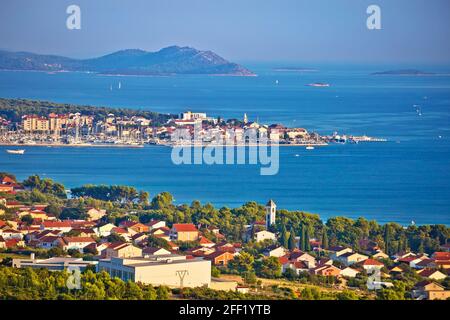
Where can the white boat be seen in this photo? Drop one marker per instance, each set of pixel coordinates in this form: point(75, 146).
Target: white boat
point(309, 148)
point(21, 151)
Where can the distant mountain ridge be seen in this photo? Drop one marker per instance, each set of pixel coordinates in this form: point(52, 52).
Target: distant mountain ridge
point(167, 61)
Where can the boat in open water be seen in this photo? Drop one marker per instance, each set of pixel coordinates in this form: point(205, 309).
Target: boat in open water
point(21, 151)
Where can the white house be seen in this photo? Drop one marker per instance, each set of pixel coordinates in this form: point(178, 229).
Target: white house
point(350, 258)
point(11, 234)
point(349, 272)
point(264, 235)
point(104, 230)
point(76, 243)
point(155, 224)
point(338, 251)
point(275, 251)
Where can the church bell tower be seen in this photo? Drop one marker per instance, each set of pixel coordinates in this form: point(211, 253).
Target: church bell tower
point(271, 212)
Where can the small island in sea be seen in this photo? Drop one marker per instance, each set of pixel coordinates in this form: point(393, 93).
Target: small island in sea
point(172, 60)
point(404, 72)
point(295, 69)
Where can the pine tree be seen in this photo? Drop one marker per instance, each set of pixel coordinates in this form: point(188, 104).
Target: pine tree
point(292, 243)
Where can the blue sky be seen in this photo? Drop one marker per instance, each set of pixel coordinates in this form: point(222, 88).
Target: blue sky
point(241, 30)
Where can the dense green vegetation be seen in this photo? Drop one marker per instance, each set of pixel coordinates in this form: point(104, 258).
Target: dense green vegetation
point(41, 284)
point(14, 109)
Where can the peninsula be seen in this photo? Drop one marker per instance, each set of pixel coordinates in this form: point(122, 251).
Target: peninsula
point(38, 123)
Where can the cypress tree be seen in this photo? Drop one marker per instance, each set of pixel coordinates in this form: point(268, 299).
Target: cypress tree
point(292, 243)
point(307, 244)
point(324, 238)
point(303, 242)
point(284, 237)
point(387, 239)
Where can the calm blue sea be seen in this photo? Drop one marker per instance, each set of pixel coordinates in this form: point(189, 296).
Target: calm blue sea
point(405, 179)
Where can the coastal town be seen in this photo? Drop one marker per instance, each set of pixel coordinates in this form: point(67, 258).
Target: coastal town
point(271, 253)
point(77, 129)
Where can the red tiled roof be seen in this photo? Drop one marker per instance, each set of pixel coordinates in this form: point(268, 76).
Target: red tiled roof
point(56, 224)
point(204, 240)
point(118, 230)
point(184, 227)
point(300, 265)
point(371, 262)
point(283, 259)
point(11, 243)
point(425, 262)
point(427, 272)
point(441, 255)
point(77, 239)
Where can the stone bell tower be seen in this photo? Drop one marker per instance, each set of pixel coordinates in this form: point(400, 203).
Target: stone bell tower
point(271, 212)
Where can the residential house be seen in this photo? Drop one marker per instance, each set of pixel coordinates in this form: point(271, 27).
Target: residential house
point(275, 251)
point(64, 226)
point(220, 258)
point(327, 271)
point(155, 251)
point(139, 238)
point(121, 250)
point(104, 230)
point(349, 272)
point(121, 232)
point(264, 235)
point(205, 242)
point(380, 255)
point(137, 227)
point(430, 290)
point(201, 251)
point(350, 258)
point(413, 261)
point(48, 242)
point(184, 232)
point(11, 234)
point(76, 243)
point(371, 264)
point(442, 259)
point(425, 263)
point(432, 274)
point(298, 255)
point(162, 233)
point(338, 251)
point(395, 270)
point(155, 224)
point(297, 266)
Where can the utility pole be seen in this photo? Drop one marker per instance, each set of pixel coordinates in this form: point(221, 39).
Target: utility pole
point(181, 274)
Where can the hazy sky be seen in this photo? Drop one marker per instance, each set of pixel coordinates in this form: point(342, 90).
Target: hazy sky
point(240, 30)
